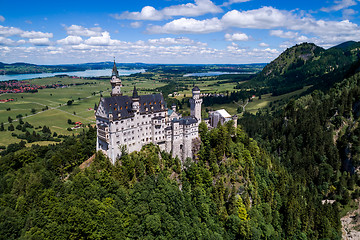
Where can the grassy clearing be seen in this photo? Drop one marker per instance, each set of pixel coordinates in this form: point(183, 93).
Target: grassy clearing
point(267, 99)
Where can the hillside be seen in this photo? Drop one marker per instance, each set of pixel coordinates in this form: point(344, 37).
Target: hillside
point(307, 64)
point(233, 190)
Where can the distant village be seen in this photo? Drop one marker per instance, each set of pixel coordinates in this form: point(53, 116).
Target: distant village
point(14, 86)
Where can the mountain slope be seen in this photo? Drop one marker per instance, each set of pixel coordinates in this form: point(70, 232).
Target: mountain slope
point(308, 64)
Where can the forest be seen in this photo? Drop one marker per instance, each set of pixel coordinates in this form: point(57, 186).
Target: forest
point(234, 190)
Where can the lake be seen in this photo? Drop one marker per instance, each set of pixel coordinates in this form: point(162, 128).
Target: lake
point(86, 73)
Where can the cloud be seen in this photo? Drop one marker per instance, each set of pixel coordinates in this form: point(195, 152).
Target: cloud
point(40, 41)
point(263, 44)
point(347, 13)
point(104, 40)
point(2, 19)
point(76, 30)
point(34, 34)
point(200, 7)
point(188, 25)
point(6, 41)
point(9, 31)
point(70, 40)
point(235, 1)
point(136, 24)
point(236, 37)
point(339, 5)
point(161, 50)
point(174, 41)
point(282, 34)
point(262, 18)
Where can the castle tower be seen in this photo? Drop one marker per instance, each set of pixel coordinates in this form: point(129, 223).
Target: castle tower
point(136, 99)
point(115, 82)
point(195, 104)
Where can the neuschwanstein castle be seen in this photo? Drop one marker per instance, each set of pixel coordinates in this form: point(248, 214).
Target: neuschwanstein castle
point(137, 120)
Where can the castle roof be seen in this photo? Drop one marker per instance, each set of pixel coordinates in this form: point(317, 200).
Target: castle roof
point(223, 113)
point(196, 88)
point(123, 105)
point(186, 120)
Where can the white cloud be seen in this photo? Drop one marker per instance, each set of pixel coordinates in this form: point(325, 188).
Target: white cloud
point(282, 34)
point(70, 40)
point(236, 37)
point(136, 24)
point(200, 7)
point(347, 13)
point(263, 44)
point(9, 31)
point(76, 30)
point(235, 1)
point(104, 40)
point(34, 34)
point(339, 5)
point(262, 18)
point(147, 13)
point(188, 25)
point(40, 41)
point(6, 41)
point(174, 41)
point(2, 19)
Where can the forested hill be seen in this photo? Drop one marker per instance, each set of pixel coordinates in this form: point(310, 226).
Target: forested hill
point(308, 64)
point(234, 190)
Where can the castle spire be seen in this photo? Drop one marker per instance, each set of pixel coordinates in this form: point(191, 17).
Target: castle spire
point(114, 70)
point(115, 82)
point(135, 93)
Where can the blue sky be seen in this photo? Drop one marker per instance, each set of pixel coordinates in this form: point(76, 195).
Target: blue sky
point(164, 31)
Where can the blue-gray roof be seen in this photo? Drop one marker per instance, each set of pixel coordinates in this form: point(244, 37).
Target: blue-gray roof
point(123, 105)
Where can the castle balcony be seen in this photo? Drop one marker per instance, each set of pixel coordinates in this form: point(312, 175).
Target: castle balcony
point(103, 135)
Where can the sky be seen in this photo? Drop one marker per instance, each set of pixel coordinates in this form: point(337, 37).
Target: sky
point(170, 31)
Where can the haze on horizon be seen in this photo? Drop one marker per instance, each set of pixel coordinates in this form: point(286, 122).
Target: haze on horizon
point(181, 31)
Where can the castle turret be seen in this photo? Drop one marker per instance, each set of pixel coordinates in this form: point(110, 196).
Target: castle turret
point(136, 99)
point(195, 104)
point(235, 119)
point(115, 82)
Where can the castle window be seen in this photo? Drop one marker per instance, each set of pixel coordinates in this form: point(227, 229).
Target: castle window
point(144, 104)
point(115, 104)
point(155, 103)
point(120, 108)
point(126, 107)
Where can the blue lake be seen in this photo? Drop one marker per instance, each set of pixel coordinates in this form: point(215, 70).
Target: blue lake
point(86, 73)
